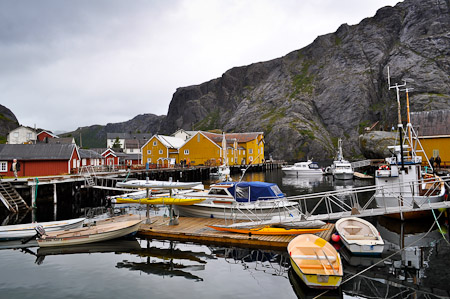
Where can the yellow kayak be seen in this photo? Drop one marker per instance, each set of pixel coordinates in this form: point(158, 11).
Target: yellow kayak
point(161, 201)
point(267, 230)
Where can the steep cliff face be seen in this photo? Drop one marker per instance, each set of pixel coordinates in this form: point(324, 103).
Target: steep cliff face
point(332, 88)
point(8, 122)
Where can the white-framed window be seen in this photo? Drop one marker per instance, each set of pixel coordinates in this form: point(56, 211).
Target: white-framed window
point(161, 151)
point(198, 137)
point(250, 151)
point(149, 160)
point(250, 158)
point(131, 150)
point(29, 135)
point(154, 143)
point(149, 152)
point(16, 134)
point(243, 152)
point(186, 152)
point(3, 166)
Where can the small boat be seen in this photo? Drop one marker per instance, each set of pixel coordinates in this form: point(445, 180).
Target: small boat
point(88, 234)
point(222, 173)
point(22, 231)
point(315, 261)
point(239, 201)
point(308, 168)
point(360, 236)
point(267, 230)
point(341, 169)
point(160, 200)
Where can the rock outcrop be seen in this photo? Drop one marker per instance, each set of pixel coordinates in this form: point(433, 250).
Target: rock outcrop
point(8, 121)
point(332, 88)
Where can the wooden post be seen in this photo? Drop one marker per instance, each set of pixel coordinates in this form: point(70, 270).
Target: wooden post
point(33, 196)
point(55, 201)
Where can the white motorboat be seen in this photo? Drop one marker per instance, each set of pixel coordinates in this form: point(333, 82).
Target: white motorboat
point(360, 236)
point(308, 168)
point(222, 173)
point(401, 181)
point(341, 169)
point(22, 231)
point(157, 184)
point(240, 200)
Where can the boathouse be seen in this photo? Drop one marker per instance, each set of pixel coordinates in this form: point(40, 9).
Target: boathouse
point(39, 159)
point(91, 158)
point(161, 149)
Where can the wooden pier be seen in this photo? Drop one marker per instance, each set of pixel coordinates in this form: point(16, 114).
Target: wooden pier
point(192, 229)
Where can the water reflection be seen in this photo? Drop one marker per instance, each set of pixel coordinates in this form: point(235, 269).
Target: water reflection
point(406, 274)
point(304, 292)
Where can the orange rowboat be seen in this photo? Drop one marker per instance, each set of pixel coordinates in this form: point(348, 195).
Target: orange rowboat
point(267, 230)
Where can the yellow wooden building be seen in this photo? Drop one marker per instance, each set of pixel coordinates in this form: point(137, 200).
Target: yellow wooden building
point(434, 146)
point(161, 150)
point(205, 148)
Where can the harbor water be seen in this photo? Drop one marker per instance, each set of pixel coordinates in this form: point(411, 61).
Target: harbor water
point(145, 268)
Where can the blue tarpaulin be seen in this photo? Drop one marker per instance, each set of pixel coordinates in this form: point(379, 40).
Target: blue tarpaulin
point(252, 191)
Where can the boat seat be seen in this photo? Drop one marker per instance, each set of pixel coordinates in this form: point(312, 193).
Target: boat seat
point(312, 257)
point(361, 237)
point(352, 229)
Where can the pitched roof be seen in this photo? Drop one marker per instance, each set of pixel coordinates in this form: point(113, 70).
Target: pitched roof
point(170, 142)
point(39, 151)
point(134, 143)
point(85, 154)
point(240, 137)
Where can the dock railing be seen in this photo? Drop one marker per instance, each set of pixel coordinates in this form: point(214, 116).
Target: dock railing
point(335, 207)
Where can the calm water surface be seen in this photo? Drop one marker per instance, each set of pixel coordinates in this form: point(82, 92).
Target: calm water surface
point(140, 268)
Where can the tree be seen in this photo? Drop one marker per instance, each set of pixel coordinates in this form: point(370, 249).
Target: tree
point(117, 143)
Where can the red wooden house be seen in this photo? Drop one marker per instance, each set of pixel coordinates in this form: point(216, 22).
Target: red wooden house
point(41, 136)
point(111, 158)
point(39, 159)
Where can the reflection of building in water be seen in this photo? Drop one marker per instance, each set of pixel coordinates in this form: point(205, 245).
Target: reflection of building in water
point(408, 273)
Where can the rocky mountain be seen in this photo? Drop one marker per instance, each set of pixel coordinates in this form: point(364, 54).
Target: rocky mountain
point(95, 136)
point(8, 122)
point(332, 88)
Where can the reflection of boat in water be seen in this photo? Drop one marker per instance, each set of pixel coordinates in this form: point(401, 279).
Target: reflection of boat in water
point(419, 271)
point(302, 182)
point(304, 292)
point(308, 168)
point(170, 269)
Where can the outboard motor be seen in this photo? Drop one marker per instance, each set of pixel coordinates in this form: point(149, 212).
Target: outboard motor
point(40, 231)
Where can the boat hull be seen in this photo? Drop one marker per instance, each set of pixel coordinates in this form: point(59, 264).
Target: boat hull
point(125, 228)
point(161, 200)
point(237, 211)
point(317, 281)
point(302, 172)
point(343, 175)
point(20, 231)
point(268, 231)
point(359, 236)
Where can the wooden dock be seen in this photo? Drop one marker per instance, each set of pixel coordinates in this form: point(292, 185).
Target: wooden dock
point(192, 229)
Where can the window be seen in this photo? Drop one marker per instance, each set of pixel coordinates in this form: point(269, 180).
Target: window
point(250, 158)
point(154, 143)
point(161, 152)
point(250, 151)
point(28, 136)
point(149, 152)
point(131, 150)
point(3, 166)
point(198, 137)
point(186, 152)
point(243, 152)
point(149, 160)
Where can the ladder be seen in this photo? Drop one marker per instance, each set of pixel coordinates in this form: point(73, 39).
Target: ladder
point(11, 198)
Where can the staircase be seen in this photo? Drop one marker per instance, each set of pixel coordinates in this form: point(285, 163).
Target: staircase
point(11, 198)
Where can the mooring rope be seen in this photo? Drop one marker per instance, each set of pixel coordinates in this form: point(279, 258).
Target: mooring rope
point(386, 258)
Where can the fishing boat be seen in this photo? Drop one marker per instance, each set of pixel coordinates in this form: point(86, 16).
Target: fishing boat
point(23, 231)
point(308, 168)
point(360, 236)
point(89, 234)
point(401, 181)
point(267, 230)
point(240, 200)
point(341, 169)
point(315, 261)
point(160, 200)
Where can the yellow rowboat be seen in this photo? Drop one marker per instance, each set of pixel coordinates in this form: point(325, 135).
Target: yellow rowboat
point(315, 261)
point(267, 230)
point(161, 201)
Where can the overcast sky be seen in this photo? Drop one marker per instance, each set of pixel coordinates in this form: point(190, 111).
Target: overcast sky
point(67, 64)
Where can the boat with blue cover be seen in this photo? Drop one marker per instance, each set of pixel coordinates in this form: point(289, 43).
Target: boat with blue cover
point(240, 200)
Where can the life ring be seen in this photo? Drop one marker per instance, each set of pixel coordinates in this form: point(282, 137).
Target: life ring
point(383, 167)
